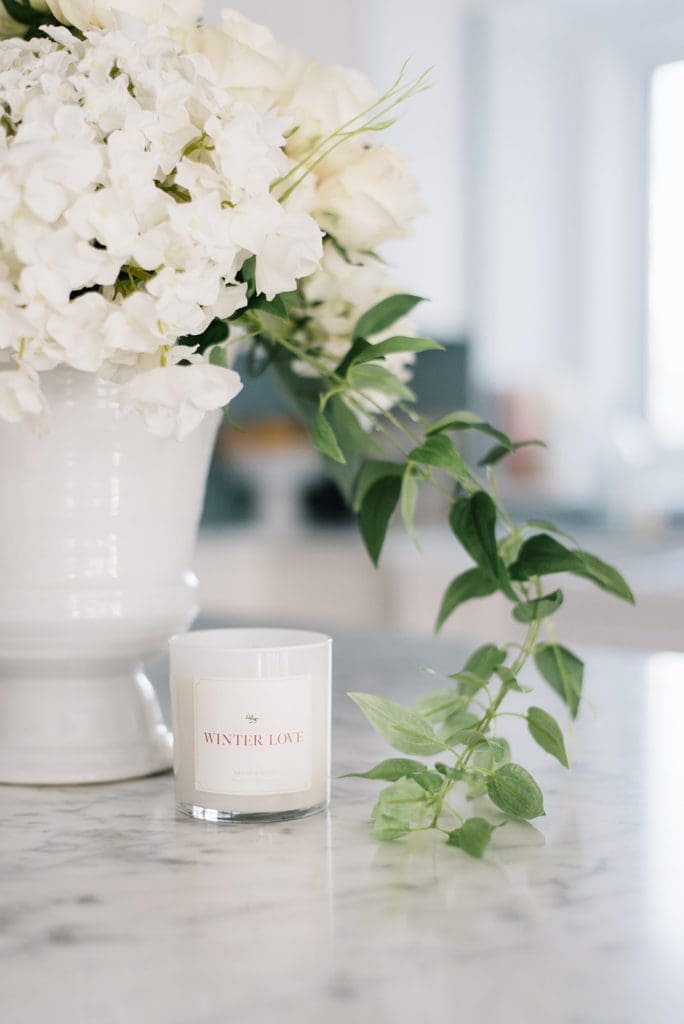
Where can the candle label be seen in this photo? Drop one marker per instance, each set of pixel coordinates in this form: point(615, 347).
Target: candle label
point(253, 736)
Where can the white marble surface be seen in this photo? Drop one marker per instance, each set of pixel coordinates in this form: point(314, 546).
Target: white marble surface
point(114, 910)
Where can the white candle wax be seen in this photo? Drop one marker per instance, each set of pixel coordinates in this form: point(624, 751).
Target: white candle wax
point(251, 722)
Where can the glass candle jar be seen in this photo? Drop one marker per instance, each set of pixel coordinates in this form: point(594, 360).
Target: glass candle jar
point(251, 723)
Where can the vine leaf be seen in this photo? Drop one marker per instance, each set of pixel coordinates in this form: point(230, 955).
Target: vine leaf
point(377, 508)
point(472, 837)
point(538, 607)
point(384, 314)
point(542, 555)
point(500, 451)
point(391, 346)
point(545, 730)
point(439, 451)
point(470, 584)
point(371, 472)
point(405, 731)
point(464, 420)
point(563, 671)
point(473, 521)
point(390, 770)
point(324, 439)
point(514, 791)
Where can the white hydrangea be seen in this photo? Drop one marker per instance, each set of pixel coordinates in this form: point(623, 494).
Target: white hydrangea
point(133, 188)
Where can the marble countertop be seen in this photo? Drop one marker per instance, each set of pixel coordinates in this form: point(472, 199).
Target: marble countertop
point(115, 910)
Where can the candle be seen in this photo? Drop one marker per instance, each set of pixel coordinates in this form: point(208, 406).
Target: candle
point(251, 723)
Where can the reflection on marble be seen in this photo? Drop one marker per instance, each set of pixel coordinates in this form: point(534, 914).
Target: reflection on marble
point(116, 911)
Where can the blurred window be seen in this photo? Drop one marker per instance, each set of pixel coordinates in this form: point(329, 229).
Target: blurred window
point(666, 255)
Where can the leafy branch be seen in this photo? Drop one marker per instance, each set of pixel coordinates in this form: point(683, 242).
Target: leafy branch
point(384, 470)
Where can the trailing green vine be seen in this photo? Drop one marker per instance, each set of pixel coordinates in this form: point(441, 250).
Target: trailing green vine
point(450, 737)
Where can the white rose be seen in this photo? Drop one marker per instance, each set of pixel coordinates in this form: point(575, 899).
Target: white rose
point(85, 14)
point(247, 58)
point(21, 397)
point(369, 201)
point(173, 400)
point(320, 100)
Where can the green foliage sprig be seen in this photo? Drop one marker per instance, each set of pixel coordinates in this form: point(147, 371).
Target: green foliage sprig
point(382, 470)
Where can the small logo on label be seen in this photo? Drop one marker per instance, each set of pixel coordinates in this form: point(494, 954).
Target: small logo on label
point(252, 719)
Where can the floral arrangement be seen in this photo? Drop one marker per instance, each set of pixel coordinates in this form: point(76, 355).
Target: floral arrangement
point(173, 194)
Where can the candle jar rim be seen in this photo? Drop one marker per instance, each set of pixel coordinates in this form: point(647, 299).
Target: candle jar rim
point(246, 639)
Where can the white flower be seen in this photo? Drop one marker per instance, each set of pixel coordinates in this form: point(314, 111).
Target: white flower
point(133, 326)
point(133, 188)
point(291, 251)
point(320, 100)
point(21, 397)
point(248, 60)
point(173, 400)
point(371, 200)
point(85, 14)
point(78, 330)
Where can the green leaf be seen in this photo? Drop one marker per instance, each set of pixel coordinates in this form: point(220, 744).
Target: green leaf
point(464, 420)
point(472, 837)
point(538, 607)
point(384, 314)
point(376, 511)
point(386, 828)
point(459, 728)
point(546, 731)
point(473, 521)
point(354, 442)
point(357, 349)
point(405, 731)
point(439, 451)
point(247, 274)
point(395, 345)
point(542, 555)
point(470, 584)
point(404, 802)
point(368, 377)
point(370, 473)
point(273, 307)
point(563, 671)
point(487, 756)
point(468, 683)
point(508, 678)
point(515, 792)
point(25, 14)
point(500, 451)
point(484, 660)
point(218, 356)
point(431, 782)
point(390, 770)
point(440, 703)
point(324, 439)
point(409, 500)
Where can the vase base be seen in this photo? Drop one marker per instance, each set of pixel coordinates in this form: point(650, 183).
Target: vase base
point(100, 727)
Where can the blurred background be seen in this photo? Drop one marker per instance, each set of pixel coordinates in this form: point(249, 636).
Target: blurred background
point(551, 155)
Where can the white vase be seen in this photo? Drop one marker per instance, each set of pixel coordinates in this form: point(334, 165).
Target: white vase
point(98, 520)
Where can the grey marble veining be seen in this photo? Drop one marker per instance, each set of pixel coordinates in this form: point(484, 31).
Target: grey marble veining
point(114, 910)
